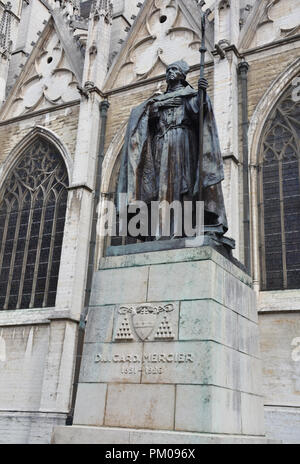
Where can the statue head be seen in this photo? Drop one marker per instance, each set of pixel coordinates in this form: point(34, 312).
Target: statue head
point(177, 72)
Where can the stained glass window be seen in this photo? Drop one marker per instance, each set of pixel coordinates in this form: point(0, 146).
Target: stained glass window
point(279, 197)
point(33, 203)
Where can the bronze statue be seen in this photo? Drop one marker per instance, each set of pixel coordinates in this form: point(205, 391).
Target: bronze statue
point(160, 159)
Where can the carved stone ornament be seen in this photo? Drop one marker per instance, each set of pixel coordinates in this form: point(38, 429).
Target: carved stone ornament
point(284, 14)
point(166, 36)
point(49, 82)
point(5, 31)
point(144, 322)
point(266, 14)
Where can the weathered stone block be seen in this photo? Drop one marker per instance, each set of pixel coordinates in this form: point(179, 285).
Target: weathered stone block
point(208, 320)
point(186, 281)
point(248, 337)
point(104, 435)
point(90, 405)
point(283, 423)
point(236, 296)
point(202, 408)
point(252, 414)
point(250, 374)
point(117, 286)
point(280, 334)
point(100, 324)
point(144, 406)
point(18, 427)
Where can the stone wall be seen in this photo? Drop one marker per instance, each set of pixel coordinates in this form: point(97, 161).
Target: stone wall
point(62, 122)
point(279, 316)
point(265, 67)
point(37, 347)
point(36, 362)
point(37, 352)
point(279, 335)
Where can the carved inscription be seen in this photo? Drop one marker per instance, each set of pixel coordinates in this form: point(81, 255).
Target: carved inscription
point(148, 363)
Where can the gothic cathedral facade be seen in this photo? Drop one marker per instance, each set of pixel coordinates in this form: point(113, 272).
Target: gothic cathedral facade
point(70, 73)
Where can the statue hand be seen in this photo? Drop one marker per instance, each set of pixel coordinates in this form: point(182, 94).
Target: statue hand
point(202, 84)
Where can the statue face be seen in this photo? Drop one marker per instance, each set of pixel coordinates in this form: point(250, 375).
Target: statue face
point(174, 74)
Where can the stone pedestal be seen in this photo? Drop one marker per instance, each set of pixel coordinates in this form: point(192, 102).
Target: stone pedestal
point(171, 353)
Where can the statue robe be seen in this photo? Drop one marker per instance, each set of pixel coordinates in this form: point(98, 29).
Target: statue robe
point(160, 159)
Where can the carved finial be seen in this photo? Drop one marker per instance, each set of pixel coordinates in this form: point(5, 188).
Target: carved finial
point(5, 30)
point(103, 8)
point(224, 4)
point(76, 7)
point(72, 7)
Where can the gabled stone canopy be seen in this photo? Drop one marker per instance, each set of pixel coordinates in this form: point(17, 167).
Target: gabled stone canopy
point(48, 79)
point(164, 31)
point(270, 20)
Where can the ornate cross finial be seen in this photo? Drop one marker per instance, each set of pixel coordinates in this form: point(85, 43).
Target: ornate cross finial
point(201, 3)
point(204, 14)
point(103, 8)
point(5, 30)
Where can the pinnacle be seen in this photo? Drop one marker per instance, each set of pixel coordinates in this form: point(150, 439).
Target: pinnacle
point(103, 8)
point(70, 7)
point(5, 29)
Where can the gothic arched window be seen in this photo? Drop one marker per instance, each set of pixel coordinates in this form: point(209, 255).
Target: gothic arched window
point(279, 196)
point(32, 216)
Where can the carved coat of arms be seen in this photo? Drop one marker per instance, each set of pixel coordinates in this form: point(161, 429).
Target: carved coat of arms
point(144, 319)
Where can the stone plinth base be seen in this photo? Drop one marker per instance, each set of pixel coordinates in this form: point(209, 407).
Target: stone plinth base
point(101, 435)
point(171, 345)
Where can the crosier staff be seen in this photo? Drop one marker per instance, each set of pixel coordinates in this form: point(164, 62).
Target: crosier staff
point(202, 89)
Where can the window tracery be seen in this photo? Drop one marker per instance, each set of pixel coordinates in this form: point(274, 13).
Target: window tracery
point(279, 196)
point(33, 203)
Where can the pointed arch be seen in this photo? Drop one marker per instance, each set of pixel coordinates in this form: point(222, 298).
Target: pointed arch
point(111, 157)
point(33, 202)
point(268, 101)
point(109, 182)
point(259, 124)
point(37, 131)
